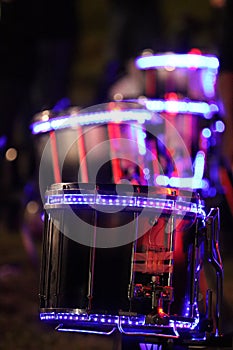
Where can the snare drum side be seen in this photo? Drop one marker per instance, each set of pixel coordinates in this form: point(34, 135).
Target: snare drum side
point(64, 270)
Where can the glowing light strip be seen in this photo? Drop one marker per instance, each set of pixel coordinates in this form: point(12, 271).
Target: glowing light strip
point(177, 61)
point(192, 107)
point(194, 182)
point(85, 331)
point(208, 78)
point(71, 121)
point(118, 321)
point(150, 332)
point(181, 182)
point(179, 206)
point(199, 165)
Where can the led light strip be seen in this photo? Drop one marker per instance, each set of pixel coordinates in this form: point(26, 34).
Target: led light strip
point(182, 106)
point(73, 120)
point(131, 321)
point(179, 206)
point(177, 61)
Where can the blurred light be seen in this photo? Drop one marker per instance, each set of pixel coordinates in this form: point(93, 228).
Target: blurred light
point(11, 154)
point(205, 184)
point(141, 135)
point(169, 68)
point(219, 126)
point(178, 61)
point(181, 182)
point(146, 171)
point(118, 97)
point(162, 180)
point(67, 121)
point(32, 207)
point(147, 52)
point(182, 106)
point(195, 51)
point(199, 165)
point(208, 78)
point(218, 3)
point(3, 140)
point(206, 133)
point(61, 105)
point(212, 192)
point(45, 115)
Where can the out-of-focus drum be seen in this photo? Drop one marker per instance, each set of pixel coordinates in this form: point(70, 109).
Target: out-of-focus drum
point(190, 75)
point(102, 143)
point(115, 142)
point(124, 257)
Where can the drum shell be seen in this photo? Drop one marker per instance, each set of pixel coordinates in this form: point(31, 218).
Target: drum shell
point(66, 263)
point(66, 269)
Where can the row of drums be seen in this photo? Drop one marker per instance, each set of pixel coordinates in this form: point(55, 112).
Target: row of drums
point(126, 237)
point(170, 132)
point(122, 141)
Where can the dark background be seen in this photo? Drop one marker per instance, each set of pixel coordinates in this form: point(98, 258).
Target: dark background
point(61, 53)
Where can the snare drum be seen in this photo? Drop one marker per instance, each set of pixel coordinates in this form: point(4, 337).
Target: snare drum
point(190, 75)
point(100, 143)
point(121, 257)
point(113, 143)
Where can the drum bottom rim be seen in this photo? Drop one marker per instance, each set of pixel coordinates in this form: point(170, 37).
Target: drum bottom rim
point(82, 315)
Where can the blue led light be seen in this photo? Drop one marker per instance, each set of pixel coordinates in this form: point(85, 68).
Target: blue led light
point(125, 324)
point(206, 133)
point(219, 126)
point(127, 201)
point(177, 61)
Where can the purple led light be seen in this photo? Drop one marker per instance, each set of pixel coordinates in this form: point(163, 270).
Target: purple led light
point(121, 321)
point(219, 126)
point(122, 201)
point(182, 107)
point(102, 117)
point(78, 198)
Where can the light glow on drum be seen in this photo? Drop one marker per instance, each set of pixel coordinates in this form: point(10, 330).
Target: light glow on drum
point(180, 107)
point(178, 61)
point(73, 120)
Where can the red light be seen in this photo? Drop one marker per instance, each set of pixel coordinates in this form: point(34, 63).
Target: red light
point(171, 96)
point(114, 106)
point(195, 51)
